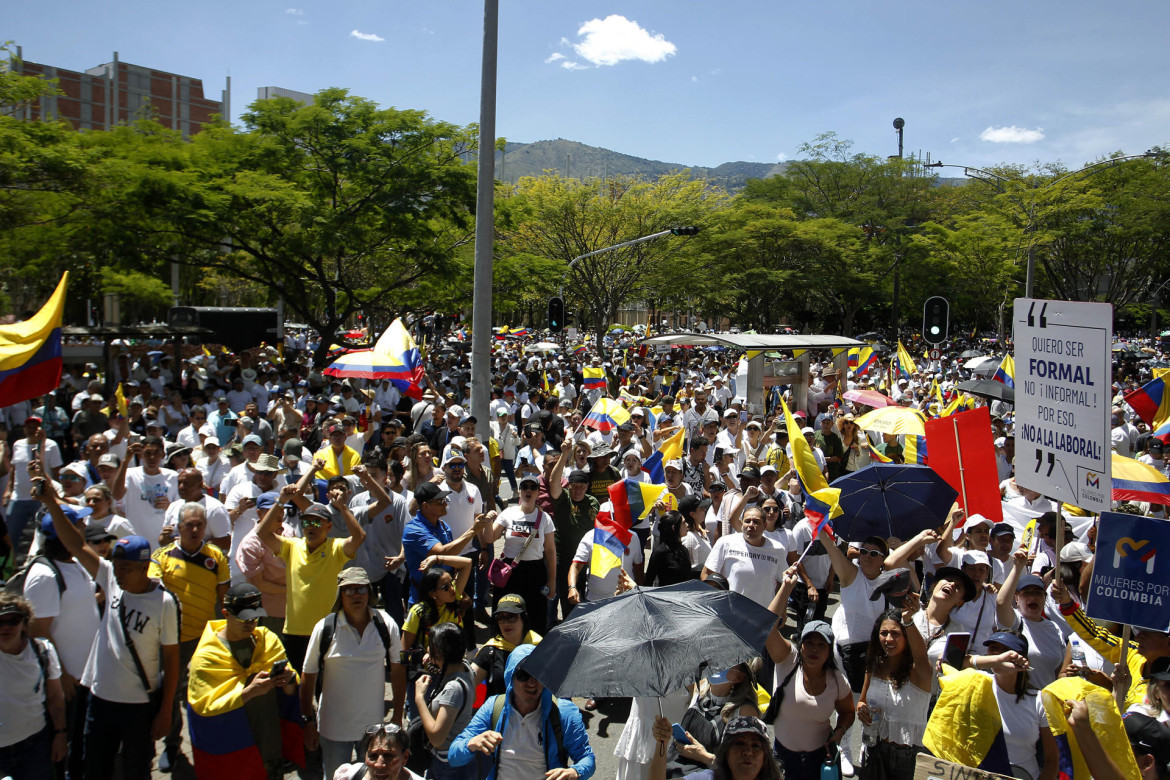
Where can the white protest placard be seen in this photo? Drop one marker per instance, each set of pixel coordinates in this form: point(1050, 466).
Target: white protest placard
point(1063, 392)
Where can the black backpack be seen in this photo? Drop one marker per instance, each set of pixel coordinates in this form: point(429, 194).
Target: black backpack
point(16, 583)
point(330, 628)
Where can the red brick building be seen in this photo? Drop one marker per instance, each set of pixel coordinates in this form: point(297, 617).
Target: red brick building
point(118, 92)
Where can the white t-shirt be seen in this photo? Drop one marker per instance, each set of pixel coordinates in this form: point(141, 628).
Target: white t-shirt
point(518, 526)
point(853, 621)
point(1046, 645)
point(751, 571)
point(354, 676)
point(247, 520)
point(152, 621)
point(966, 618)
point(698, 547)
point(21, 457)
point(22, 696)
point(817, 563)
point(462, 507)
point(74, 611)
point(1021, 727)
point(604, 587)
point(218, 522)
point(142, 490)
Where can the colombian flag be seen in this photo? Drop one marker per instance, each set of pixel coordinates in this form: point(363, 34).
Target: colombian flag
point(671, 449)
point(1104, 717)
point(610, 540)
point(1006, 372)
point(965, 726)
point(880, 458)
point(30, 351)
point(632, 500)
point(1136, 481)
point(605, 415)
point(822, 503)
point(905, 363)
point(580, 349)
point(861, 360)
point(1151, 402)
point(395, 357)
point(594, 378)
point(914, 449)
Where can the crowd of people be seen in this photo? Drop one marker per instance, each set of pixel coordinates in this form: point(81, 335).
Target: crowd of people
point(292, 570)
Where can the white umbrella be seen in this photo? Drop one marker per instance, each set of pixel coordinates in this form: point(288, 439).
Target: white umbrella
point(975, 363)
point(543, 346)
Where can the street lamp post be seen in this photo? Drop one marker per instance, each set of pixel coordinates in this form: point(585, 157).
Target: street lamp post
point(998, 182)
point(481, 311)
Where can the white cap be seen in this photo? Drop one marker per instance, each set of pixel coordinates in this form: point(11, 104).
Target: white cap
point(972, 557)
point(806, 430)
point(1075, 552)
point(977, 519)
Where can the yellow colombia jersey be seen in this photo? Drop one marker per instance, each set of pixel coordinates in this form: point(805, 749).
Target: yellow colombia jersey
point(194, 579)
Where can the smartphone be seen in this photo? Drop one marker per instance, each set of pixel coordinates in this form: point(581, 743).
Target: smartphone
point(680, 734)
point(279, 667)
point(718, 454)
point(38, 487)
point(956, 649)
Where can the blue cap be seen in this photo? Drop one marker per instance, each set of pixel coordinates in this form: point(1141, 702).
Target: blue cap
point(1030, 581)
point(74, 513)
point(1009, 640)
point(252, 438)
point(266, 501)
point(131, 548)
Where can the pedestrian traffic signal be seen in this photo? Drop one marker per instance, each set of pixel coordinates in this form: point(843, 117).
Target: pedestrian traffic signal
point(688, 230)
point(556, 314)
point(936, 316)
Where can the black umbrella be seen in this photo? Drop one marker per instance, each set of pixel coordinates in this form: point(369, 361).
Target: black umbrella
point(649, 642)
point(879, 348)
point(871, 336)
point(988, 388)
point(891, 499)
point(971, 353)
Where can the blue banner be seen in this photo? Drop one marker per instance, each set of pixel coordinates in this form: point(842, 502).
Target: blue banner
point(1131, 572)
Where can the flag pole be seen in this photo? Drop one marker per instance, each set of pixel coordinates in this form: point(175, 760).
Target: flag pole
point(1121, 660)
point(962, 479)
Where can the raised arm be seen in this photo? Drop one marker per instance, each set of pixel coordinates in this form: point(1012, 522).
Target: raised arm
point(777, 645)
point(902, 555)
point(846, 570)
point(381, 497)
point(558, 469)
point(119, 486)
point(943, 550)
point(357, 534)
point(1005, 611)
point(266, 531)
point(70, 535)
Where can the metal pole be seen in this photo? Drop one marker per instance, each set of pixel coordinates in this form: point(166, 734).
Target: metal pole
point(481, 313)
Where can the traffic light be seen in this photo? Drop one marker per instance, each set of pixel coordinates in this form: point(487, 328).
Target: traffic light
point(688, 230)
point(936, 316)
point(556, 314)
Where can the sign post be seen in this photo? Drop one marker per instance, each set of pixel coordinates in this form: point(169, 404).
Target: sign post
point(1131, 572)
point(1063, 387)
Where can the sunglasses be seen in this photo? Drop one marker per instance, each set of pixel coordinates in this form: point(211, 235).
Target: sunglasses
point(771, 510)
point(310, 523)
point(448, 586)
point(872, 553)
point(456, 465)
point(389, 728)
point(11, 620)
point(355, 590)
point(507, 617)
point(521, 676)
point(442, 501)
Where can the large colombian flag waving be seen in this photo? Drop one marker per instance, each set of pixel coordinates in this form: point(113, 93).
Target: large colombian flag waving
point(629, 502)
point(30, 351)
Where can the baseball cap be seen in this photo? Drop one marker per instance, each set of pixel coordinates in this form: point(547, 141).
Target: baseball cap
point(132, 548)
point(319, 510)
point(673, 464)
point(1009, 640)
point(294, 448)
point(95, 534)
point(243, 602)
point(429, 491)
point(731, 413)
point(1147, 736)
point(526, 479)
point(688, 504)
point(1029, 581)
point(1002, 529)
point(454, 454)
point(266, 501)
point(751, 472)
point(579, 476)
point(1075, 552)
point(745, 724)
point(74, 513)
point(512, 604)
point(818, 627)
point(975, 520)
point(252, 438)
point(974, 557)
point(110, 459)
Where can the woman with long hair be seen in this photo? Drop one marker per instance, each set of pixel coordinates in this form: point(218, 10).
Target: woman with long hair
point(695, 537)
point(857, 452)
point(445, 700)
point(895, 698)
point(441, 602)
point(809, 690)
point(743, 753)
point(529, 541)
point(670, 563)
point(512, 630)
point(421, 467)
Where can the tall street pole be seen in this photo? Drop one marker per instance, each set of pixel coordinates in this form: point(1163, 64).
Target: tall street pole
point(481, 313)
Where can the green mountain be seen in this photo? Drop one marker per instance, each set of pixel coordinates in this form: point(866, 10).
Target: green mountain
point(570, 158)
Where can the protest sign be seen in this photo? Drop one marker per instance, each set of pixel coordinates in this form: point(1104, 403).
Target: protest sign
point(1131, 572)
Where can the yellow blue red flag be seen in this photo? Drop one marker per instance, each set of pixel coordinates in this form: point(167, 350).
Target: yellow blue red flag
point(30, 351)
point(822, 503)
point(606, 415)
point(1006, 372)
point(594, 378)
point(1151, 402)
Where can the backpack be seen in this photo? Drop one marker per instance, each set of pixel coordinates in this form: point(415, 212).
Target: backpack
point(330, 628)
point(16, 583)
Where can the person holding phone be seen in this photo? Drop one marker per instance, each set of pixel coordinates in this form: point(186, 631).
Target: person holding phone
point(895, 697)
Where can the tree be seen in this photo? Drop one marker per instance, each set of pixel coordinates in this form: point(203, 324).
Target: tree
point(561, 219)
point(338, 207)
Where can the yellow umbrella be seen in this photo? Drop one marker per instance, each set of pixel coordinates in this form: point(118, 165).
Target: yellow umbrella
point(894, 419)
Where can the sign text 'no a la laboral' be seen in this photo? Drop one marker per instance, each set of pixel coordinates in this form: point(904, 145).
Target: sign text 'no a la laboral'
point(1063, 396)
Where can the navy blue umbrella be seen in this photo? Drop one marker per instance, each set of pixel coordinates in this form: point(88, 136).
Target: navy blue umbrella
point(891, 499)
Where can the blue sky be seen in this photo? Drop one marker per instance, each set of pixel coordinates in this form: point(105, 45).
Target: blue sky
point(978, 83)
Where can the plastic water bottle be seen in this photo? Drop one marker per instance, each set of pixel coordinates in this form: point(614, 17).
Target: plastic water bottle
point(1078, 654)
point(869, 734)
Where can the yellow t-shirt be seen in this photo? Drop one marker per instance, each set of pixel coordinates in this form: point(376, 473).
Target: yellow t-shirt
point(311, 585)
point(335, 465)
point(195, 580)
point(413, 621)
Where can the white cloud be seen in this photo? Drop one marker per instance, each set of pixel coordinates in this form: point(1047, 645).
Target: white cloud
point(616, 39)
point(781, 157)
point(294, 12)
point(694, 79)
point(956, 138)
point(554, 57)
point(1012, 135)
point(571, 65)
point(361, 36)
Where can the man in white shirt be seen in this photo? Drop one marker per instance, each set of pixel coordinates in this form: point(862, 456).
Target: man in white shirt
point(753, 563)
point(147, 490)
point(599, 588)
point(218, 530)
point(463, 505)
